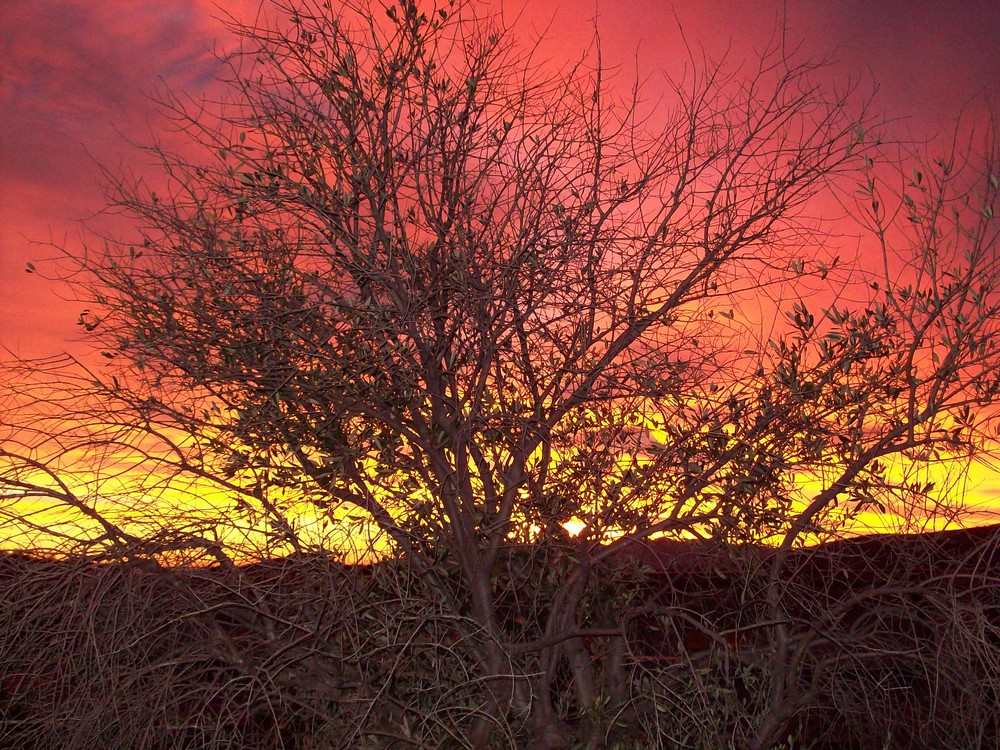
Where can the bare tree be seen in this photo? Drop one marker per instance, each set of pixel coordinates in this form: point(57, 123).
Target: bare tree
point(416, 278)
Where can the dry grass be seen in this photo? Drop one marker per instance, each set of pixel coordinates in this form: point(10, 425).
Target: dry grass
point(891, 645)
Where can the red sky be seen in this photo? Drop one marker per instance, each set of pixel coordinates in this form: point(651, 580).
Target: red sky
point(74, 75)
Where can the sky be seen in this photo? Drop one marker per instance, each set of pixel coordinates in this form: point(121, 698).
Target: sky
point(76, 78)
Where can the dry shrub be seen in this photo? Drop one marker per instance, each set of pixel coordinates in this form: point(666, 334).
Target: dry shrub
point(894, 644)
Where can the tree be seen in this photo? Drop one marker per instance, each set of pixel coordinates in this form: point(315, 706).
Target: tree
point(414, 277)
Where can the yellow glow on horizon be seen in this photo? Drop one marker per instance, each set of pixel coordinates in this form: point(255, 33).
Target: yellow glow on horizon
point(203, 510)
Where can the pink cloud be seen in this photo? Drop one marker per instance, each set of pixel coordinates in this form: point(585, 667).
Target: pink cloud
point(77, 77)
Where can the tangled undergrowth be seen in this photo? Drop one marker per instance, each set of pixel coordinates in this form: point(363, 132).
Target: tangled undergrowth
point(891, 642)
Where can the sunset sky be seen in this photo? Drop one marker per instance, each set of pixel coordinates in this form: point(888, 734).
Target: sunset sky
point(75, 76)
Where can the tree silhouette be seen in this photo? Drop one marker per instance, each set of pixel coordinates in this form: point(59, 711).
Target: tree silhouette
point(417, 279)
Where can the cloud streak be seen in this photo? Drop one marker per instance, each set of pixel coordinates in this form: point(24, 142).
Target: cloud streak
point(77, 77)
point(75, 69)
